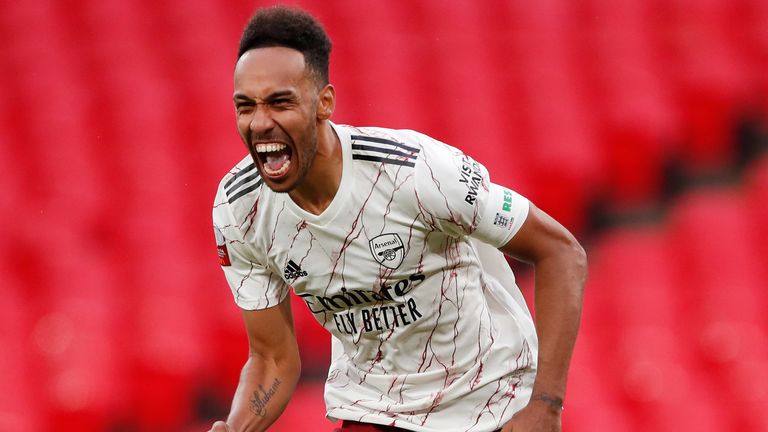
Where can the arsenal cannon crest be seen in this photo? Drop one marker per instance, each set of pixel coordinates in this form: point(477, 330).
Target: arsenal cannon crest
point(388, 250)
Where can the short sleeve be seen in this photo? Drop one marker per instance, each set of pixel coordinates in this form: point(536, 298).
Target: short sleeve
point(504, 213)
point(456, 196)
point(253, 284)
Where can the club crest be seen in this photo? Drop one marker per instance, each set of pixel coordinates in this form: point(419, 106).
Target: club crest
point(388, 250)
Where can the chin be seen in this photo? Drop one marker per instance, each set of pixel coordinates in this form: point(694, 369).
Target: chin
point(282, 187)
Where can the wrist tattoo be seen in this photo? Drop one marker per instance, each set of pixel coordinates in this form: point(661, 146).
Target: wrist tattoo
point(262, 396)
point(554, 402)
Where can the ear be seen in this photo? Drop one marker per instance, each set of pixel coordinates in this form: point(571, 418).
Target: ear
point(326, 102)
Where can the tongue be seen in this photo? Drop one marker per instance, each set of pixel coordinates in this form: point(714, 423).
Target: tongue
point(275, 162)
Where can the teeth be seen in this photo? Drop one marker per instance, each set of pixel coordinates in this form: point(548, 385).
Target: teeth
point(267, 148)
point(281, 171)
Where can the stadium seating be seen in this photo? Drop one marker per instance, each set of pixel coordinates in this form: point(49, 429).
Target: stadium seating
point(757, 198)
point(20, 409)
point(585, 379)
point(116, 125)
point(636, 277)
point(636, 120)
point(708, 74)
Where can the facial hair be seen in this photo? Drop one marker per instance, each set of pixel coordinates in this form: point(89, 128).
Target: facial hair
point(305, 153)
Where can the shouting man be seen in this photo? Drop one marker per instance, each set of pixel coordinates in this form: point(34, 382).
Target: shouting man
point(394, 242)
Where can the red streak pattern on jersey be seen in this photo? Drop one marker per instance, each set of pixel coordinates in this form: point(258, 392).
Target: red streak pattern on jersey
point(427, 336)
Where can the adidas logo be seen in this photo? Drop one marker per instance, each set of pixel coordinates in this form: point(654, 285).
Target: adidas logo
point(293, 271)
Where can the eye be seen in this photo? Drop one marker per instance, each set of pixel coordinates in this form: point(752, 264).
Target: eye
point(281, 103)
point(244, 107)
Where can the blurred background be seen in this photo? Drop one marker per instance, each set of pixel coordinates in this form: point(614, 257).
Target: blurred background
point(640, 125)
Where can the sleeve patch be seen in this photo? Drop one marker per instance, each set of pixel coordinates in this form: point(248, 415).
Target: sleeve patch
point(221, 246)
point(504, 214)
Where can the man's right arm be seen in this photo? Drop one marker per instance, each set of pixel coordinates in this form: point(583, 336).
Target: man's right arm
point(271, 372)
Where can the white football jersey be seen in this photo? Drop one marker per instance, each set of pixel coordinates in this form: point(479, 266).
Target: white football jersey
point(430, 332)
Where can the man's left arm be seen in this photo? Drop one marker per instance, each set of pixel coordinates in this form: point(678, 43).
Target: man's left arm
point(560, 272)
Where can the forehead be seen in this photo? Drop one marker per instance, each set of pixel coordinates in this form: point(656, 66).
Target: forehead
point(262, 70)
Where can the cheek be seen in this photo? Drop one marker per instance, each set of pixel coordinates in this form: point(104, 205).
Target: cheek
point(243, 126)
point(294, 125)
point(310, 138)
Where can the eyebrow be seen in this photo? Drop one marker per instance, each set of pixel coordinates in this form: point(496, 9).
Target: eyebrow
point(278, 94)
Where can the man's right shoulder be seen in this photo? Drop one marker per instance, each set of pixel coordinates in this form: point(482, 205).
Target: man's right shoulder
point(238, 189)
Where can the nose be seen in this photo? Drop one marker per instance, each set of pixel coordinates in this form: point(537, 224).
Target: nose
point(261, 120)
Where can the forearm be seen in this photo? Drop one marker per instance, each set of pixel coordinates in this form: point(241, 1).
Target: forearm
point(559, 287)
point(264, 390)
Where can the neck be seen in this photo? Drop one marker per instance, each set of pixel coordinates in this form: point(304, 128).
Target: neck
point(322, 181)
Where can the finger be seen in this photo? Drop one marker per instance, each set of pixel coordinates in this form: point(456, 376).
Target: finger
point(220, 426)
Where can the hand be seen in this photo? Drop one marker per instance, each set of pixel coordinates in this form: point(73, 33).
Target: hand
point(220, 426)
point(535, 417)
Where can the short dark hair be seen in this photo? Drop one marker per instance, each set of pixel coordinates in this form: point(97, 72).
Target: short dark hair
point(292, 28)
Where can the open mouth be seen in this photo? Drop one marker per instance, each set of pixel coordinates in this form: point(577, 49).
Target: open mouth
point(275, 158)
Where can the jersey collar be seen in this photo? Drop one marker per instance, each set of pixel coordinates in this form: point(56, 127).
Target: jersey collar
point(338, 200)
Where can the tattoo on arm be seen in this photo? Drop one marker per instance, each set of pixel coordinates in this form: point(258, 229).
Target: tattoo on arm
point(262, 396)
point(554, 402)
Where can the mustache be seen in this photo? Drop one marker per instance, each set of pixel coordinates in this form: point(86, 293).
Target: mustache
point(268, 138)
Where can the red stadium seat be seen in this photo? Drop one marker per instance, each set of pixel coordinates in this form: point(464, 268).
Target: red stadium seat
point(757, 214)
point(725, 296)
point(12, 177)
point(643, 342)
point(387, 75)
point(117, 124)
point(22, 405)
point(714, 231)
point(636, 118)
point(757, 196)
point(751, 40)
point(588, 388)
point(558, 143)
point(711, 79)
point(77, 333)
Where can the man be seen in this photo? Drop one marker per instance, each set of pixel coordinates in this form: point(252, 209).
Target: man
point(390, 238)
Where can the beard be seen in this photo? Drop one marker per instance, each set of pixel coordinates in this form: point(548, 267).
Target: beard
point(307, 155)
point(303, 152)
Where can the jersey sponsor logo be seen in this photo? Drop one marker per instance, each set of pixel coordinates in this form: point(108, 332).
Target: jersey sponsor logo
point(378, 318)
point(472, 177)
point(388, 250)
point(507, 205)
point(384, 309)
point(504, 220)
point(221, 247)
point(348, 298)
point(293, 271)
